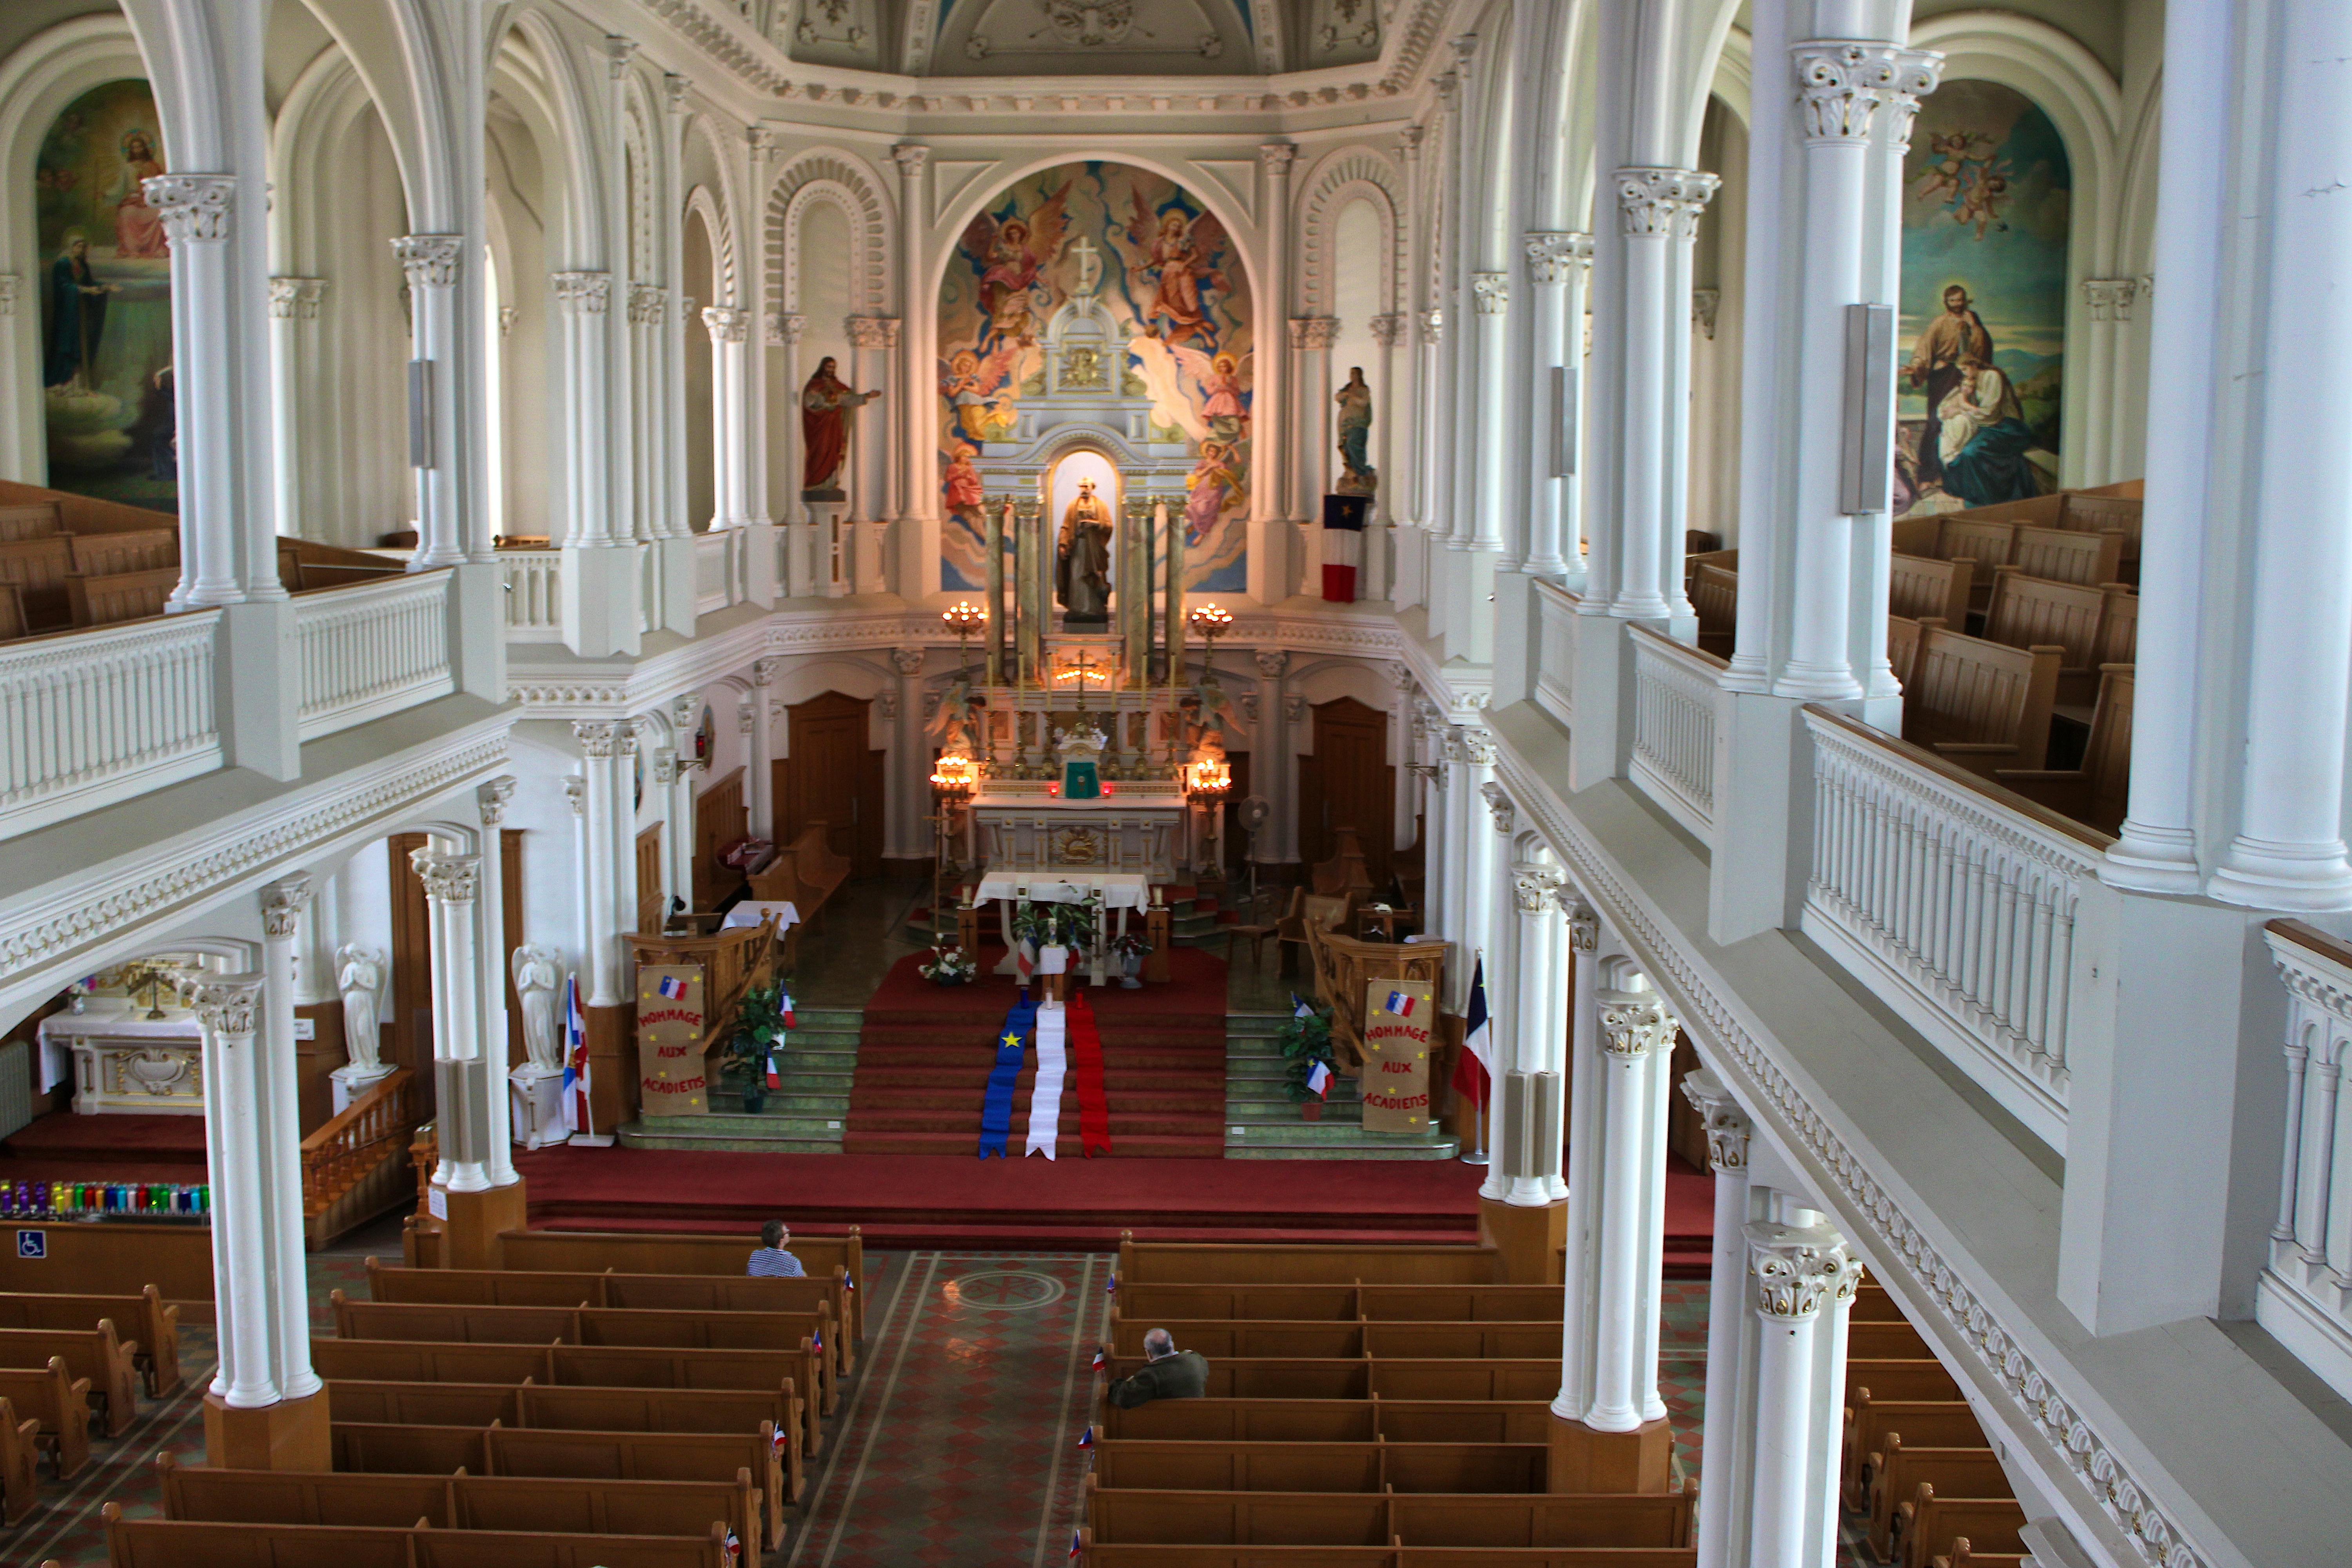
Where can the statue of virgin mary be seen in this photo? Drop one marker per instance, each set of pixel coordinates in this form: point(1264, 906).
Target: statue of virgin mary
point(1082, 561)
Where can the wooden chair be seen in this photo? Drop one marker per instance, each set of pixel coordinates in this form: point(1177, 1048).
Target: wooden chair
point(1306, 908)
point(2098, 793)
point(1254, 929)
point(1345, 874)
point(60, 1403)
point(119, 596)
point(1926, 588)
point(1715, 595)
point(1981, 704)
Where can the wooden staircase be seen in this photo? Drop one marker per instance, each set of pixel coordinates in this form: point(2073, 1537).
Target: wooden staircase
point(356, 1166)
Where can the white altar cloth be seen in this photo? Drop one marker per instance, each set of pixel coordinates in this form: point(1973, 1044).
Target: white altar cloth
point(751, 912)
point(1121, 889)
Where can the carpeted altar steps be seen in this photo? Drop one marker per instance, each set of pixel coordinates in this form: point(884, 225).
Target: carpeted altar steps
point(806, 1116)
point(1263, 1122)
point(924, 1057)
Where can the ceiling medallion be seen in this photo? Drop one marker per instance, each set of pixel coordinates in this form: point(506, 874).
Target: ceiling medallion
point(1090, 23)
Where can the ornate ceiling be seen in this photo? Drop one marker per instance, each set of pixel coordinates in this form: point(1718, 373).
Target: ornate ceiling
point(999, 38)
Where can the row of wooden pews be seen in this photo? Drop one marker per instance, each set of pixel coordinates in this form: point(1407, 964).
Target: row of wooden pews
point(656, 1410)
point(1914, 1465)
point(69, 1362)
point(1381, 1406)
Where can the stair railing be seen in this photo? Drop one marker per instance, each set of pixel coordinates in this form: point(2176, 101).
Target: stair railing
point(356, 1138)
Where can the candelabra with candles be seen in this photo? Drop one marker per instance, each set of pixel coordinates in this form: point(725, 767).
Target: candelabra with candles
point(965, 620)
point(953, 779)
point(1208, 780)
point(1210, 622)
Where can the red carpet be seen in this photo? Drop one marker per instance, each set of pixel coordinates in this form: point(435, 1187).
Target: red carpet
point(62, 1146)
point(924, 1056)
point(958, 1201)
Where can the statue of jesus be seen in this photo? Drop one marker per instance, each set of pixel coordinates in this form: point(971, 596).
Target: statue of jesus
point(1082, 560)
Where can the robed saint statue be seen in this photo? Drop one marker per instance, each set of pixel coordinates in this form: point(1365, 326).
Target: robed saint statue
point(1082, 560)
point(826, 403)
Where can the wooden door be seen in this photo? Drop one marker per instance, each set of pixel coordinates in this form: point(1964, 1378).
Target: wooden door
point(511, 923)
point(830, 776)
point(720, 819)
point(649, 881)
point(410, 1044)
point(1349, 782)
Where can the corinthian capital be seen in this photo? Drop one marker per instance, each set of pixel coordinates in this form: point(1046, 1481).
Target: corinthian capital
point(597, 737)
point(728, 324)
point(1633, 1024)
point(1584, 924)
point(451, 879)
point(873, 331)
point(785, 331)
point(1274, 158)
point(1433, 327)
point(429, 260)
point(1554, 255)
point(1314, 332)
point(1533, 887)
point(492, 799)
point(282, 903)
point(1795, 1273)
point(1498, 802)
point(229, 1004)
point(195, 207)
point(584, 294)
point(1727, 1126)
point(911, 157)
point(1661, 204)
point(1387, 330)
point(1477, 745)
point(647, 303)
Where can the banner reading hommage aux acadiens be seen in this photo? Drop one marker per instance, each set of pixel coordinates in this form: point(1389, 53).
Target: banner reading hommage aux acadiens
point(1399, 1018)
point(669, 1040)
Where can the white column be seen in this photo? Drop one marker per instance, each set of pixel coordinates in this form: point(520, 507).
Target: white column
point(1462, 804)
point(575, 795)
point(1311, 338)
point(278, 1129)
point(430, 262)
point(870, 340)
point(1272, 771)
point(1490, 294)
point(1493, 901)
point(1558, 263)
point(1270, 430)
point(451, 883)
point(1722, 1505)
point(1409, 392)
point(759, 147)
point(293, 303)
point(2289, 850)
point(1616, 1219)
point(1482, 860)
point(1388, 452)
point(906, 793)
point(786, 333)
point(605, 793)
point(731, 414)
point(1537, 1014)
point(760, 754)
point(1658, 211)
point(915, 424)
point(229, 1007)
point(1457, 253)
point(1802, 1284)
point(1579, 1033)
point(600, 561)
point(498, 1111)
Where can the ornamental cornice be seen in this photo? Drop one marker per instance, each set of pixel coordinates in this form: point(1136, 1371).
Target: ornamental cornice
point(1848, 1178)
point(62, 924)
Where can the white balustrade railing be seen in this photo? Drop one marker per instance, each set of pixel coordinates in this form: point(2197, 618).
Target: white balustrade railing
point(93, 717)
point(372, 650)
point(2304, 1298)
point(534, 594)
point(1675, 697)
point(1956, 902)
point(1555, 689)
point(720, 569)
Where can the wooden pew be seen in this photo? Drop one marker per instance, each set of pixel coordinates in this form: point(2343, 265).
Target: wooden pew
point(2098, 793)
point(630, 1252)
point(1175, 1516)
point(1901, 1378)
point(458, 1324)
point(36, 520)
point(1965, 1555)
point(805, 874)
point(95, 1353)
point(38, 567)
point(1210, 1263)
point(1898, 1469)
point(401, 1361)
point(1607, 1518)
point(1424, 1468)
point(60, 1403)
point(2033, 612)
point(800, 1332)
point(482, 1287)
point(1885, 1340)
point(1329, 1420)
point(1715, 595)
point(119, 596)
point(1979, 704)
point(2092, 512)
point(382, 1404)
point(539, 1504)
point(1922, 588)
point(12, 623)
point(1344, 1303)
point(1453, 1380)
point(2119, 631)
point(2067, 555)
point(1902, 635)
point(154, 1325)
point(107, 554)
point(190, 1543)
point(1940, 1422)
point(1122, 1554)
point(1932, 1523)
point(20, 1457)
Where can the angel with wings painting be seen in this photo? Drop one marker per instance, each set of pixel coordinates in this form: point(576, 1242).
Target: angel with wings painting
point(1012, 258)
point(975, 386)
point(1175, 262)
point(1218, 377)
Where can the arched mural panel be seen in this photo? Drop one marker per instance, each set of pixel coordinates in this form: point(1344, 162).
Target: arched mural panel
point(106, 300)
point(1987, 199)
point(1098, 296)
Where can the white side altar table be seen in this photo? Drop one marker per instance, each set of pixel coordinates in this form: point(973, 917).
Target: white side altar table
point(126, 1063)
point(1120, 891)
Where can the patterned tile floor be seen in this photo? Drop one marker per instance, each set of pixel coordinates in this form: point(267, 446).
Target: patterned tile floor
point(957, 1439)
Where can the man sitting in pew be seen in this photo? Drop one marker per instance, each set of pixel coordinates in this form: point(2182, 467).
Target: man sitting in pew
point(770, 1261)
point(1167, 1373)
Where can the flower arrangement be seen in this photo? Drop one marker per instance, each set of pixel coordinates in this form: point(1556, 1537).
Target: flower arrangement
point(1053, 925)
point(949, 966)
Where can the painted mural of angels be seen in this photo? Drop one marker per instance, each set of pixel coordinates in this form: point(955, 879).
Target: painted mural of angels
point(1217, 378)
point(1962, 176)
point(1175, 263)
point(979, 388)
point(1012, 257)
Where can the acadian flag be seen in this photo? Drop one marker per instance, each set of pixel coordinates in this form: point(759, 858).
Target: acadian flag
point(1472, 1073)
point(672, 987)
point(1401, 1005)
point(1086, 1439)
point(1318, 1078)
point(575, 1057)
point(1110, 1286)
point(1343, 545)
point(1074, 1543)
point(1299, 1008)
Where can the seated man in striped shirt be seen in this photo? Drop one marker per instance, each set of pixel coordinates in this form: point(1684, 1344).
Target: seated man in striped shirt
point(771, 1261)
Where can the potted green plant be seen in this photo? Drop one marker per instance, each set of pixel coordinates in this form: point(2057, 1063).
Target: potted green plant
point(1305, 1044)
point(1053, 929)
point(760, 1029)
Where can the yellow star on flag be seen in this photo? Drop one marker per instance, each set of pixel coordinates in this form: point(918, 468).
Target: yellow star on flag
point(1012, 1039)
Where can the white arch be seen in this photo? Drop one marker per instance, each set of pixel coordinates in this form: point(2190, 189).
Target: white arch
point(1349, 174)
point(534, 71)
point(826, 173)
point(721, 211)
point(701, 204)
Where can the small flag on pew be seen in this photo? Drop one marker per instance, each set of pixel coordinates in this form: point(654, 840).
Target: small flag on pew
point(776, 1075)
point(1086, 1439)
point(790, 1022)
point(1074, 1543)
point(1110, 1286)
point(1099, 1362)
point(1318, 1078)
point(734, 1548)
point(819, 1338)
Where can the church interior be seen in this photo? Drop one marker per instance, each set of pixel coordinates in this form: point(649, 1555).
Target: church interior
point(1175, 784)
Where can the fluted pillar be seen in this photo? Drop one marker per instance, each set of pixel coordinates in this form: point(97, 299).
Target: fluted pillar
point(1658, 213)
point(451, 883)
point(600, 613)
point(278, 1126)
point(1722, 1507)
point(760, 758)
point(1490, 297)
point(1489, 899)
point(1536, 1025)
point(604, 790)
point(1800, 1286)
point(1559, 264)
point(230, 1009)
point(730, 336)
point(1275, 776)
point(1388, 451)
point(293, 307)
point(1311, 338)
point(430, 263)
point(1477, 857)
point(490, 800)
point(1613, 1424)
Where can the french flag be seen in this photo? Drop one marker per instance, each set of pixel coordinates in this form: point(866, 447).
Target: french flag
point(790, 1022)
point(1098, 1362)
point(775, 1076)
point(1318, 1078)
point(672, 988)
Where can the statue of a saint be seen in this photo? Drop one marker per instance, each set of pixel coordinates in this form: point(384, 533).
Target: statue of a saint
point(1358, 476)
point(1212, 717)
point(539, 982)
point(1082, 562)
point(826, 404)
point(359, 975)
point(952, 726)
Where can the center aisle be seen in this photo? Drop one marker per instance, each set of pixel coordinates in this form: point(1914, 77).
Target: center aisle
point(960, 1441)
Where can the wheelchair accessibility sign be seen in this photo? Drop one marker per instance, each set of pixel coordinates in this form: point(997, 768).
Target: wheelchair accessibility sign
point(32, 1244)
